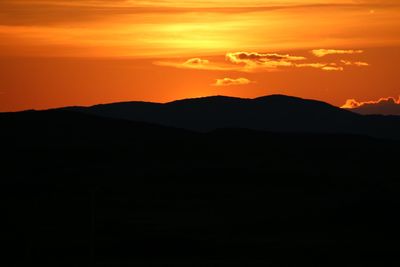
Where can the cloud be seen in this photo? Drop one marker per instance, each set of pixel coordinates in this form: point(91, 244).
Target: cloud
point(270, 60)
point(246, 57)
point(356, 63)
point(195, 62)
point(254, 61)
point(230, 81)
point(332, 68)
point(311, 65)
point(198, 64)
point(325, 52)
point(321, 66)
point(260, 62)
point(352, 103)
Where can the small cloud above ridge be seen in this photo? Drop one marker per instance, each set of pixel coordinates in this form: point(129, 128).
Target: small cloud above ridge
point(231, 81)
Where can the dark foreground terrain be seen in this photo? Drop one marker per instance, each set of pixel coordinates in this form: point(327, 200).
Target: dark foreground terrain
point(80, 190)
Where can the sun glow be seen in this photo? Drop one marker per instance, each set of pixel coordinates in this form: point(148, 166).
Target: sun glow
point(90, 51)
point(154, 28)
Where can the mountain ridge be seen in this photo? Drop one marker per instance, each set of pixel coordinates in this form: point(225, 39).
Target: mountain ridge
point(182, 195)
point(275, 113)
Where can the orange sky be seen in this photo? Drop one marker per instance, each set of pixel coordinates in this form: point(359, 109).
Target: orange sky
point(82, 52)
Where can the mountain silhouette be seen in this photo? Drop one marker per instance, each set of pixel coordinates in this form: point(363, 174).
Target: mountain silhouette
point(79, 188)
point(276, 113)
point(61, 128)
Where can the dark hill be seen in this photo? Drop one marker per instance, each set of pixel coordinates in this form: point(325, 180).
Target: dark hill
point(66, 128)
point(83, 190)
point(275, 113)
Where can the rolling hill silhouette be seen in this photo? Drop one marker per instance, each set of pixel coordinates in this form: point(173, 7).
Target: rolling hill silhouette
point(80, 188)
point(276, 113)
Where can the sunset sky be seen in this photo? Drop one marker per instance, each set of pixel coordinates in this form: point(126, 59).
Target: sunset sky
point(81, 52)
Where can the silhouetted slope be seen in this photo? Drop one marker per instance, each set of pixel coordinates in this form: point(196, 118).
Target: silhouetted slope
point(76, 188)
point(275, 113)
point(65, 128)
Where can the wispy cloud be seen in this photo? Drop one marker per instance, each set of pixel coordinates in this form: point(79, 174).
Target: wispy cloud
point(254, 57)
point(326, 52)
point(45, 12)
point(230, 81)
point(197, 64)
point(332, 68)
point(254, 61)
point(321, 66)
point(260, 62)
point(352, 103)
point(170, 28)
point(355, 63)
